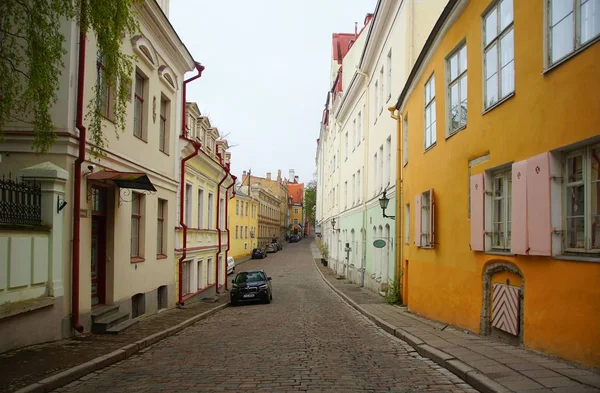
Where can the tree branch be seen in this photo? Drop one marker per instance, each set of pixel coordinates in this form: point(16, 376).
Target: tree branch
point(12, 65)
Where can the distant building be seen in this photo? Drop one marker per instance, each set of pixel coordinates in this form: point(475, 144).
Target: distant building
point(243, 223)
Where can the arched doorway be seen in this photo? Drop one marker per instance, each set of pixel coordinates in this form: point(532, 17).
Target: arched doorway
point(502, 309)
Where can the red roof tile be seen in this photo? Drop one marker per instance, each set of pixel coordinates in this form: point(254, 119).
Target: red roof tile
point(296, 191)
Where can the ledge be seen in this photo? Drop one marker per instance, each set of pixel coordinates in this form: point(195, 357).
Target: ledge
point(578, 258)
point(11, 309)
point(30, 228)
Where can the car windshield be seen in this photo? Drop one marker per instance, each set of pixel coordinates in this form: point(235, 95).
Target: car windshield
point(244, 277)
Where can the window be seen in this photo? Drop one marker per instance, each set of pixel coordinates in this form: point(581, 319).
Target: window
point(572, 24)
point(246, 232)
point(430, 116)
point(381, 167)
point(376, 94)
point(237, 208)
point(374, 174)
point(407, 224)
point(354, 134)
point(457, 89)
point(345, 194)
point(389, 75)
point(501, 208)
point(499, 52)
point(209, 275)
point(236, 231)
point(353, 189)
point(103, 103)
point(295, 221)
point(296, 210)
point(210, 211)
point(381, 84)
point(163, 132)
point(246, 208)
point(200, 272)
point(405, 141)
point(200, 208)
point(358, 186)
point(388, 147)
point(186, 277)
point(360, 124)
point(424, 220)
point(346, 146)
point(188, 204)
point(582, 189)
point(136, 222)
point(138, 110)
point(160, 227)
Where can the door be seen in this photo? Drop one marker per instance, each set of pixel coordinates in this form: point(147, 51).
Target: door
point(98, 249)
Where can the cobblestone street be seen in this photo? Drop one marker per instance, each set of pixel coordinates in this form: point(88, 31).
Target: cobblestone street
point(307, 339)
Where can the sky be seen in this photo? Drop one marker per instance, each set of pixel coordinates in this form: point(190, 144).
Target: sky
point(267, 74)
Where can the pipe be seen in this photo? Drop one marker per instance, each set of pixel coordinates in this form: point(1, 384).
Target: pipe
point(197, 145)
point(77, 185)
point(226, 168)
point(400, 177)
point(233, 179)
point(181, 218)
point(365, 184)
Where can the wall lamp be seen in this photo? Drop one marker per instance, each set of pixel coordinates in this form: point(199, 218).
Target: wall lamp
point(383, 202)
point(60, 204)
point(333, 225)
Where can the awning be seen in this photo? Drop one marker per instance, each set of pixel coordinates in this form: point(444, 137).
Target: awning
point(132, 180)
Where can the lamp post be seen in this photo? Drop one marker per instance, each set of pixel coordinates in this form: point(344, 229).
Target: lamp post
point(383, 202)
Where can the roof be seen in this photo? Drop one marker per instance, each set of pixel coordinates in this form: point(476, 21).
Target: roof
point(296, 191)
point(437, 28)
point(342, 42)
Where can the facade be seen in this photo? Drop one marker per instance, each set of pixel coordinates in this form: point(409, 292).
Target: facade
point(502, 205)
point(268, 214)
point(278, 189)
point(296, 193)
point(243, 223)
point(357, 146)
point(116, 247)
point(205, 193)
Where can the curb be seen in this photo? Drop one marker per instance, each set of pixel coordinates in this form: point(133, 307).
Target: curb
point(473, 377)
point(69, 375)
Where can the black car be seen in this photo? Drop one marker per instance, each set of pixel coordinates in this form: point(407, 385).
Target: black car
point(258, 253)
point(294, 238)
point(251, 286)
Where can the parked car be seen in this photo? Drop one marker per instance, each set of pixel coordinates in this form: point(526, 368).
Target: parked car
point(230, 265)
point(279, 245)
point(251, 286)
point(272, 247)
point(294, 238)
point(258, 253)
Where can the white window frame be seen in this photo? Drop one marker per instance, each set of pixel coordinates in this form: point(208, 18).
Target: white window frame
point(450, 130)
point(493, 198)
point(431, 128)
point(586, 180)
point(426, 219)
point(381, 84)
point(500, 34)
point(200, 204)
point(376, 101)
point(358, 191)
point(361, 136)
point(577, 44)
point(389, 75)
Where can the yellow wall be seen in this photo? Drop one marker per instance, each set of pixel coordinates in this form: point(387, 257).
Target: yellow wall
point(548, 110)
point(242, 246)
point(297, 216)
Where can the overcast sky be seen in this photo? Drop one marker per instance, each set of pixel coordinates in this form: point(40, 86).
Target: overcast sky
point(267, 73)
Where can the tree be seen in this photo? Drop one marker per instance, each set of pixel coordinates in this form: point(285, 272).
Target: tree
point(310, 200)
point(31, 61)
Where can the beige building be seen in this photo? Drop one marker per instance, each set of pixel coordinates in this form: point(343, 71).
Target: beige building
point(106, 224)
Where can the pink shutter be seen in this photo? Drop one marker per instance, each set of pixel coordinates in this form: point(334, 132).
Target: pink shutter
point(518, 228)
point(431, 219)
point(539, 223)
point(418, 220)
point(477, 213)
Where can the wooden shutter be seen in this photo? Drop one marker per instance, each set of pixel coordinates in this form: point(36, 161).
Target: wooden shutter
point(418, 208)
point(431, 219)
point(477, 213)
point(539, 223)
point(519, 243)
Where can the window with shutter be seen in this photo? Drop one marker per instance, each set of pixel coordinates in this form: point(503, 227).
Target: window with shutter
point(539, 224)
point(477, 213)
point(418, 220)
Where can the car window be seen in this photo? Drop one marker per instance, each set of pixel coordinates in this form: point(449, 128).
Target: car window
point(244, 277)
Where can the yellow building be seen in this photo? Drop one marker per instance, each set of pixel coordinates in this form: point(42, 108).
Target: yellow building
point(501, 207)
point(243, 221)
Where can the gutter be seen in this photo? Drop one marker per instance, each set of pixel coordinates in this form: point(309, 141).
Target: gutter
point(227, 174)
point(400, 217)
point(365, 184)
point(233, 179)
point(77, 186)
point(197, 145)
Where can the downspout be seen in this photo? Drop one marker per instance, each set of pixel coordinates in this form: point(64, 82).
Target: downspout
point(226, 168)
point(399, 214)
point(197, 145)
point(77, 185)
point(233, 179)
point(365, 178)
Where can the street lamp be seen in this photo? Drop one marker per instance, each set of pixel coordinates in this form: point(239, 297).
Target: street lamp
point(383, 202)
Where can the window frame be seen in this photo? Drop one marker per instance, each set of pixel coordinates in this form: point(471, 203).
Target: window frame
point(105, 109)
point(504, 173)
point(450, 131)
point(426, 229)
point(139, 100)
point(136, 216)
point(497, 40)
point(160, 228)
point(428, 104)
point(163, 146)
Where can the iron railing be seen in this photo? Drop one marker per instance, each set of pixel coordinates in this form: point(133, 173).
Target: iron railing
point(20, 202)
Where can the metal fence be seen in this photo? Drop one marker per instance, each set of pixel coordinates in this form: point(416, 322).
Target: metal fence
point(20, 202)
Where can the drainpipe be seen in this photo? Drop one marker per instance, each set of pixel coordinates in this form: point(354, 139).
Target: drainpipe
point(233, 179)
point(399, 216)
point(226, 168)
point(365, 177)
point(197, 145)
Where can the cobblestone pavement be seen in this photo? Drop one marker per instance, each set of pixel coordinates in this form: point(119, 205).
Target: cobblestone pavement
point(307, 339)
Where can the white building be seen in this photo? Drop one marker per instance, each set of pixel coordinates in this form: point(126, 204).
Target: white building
point(357, 147)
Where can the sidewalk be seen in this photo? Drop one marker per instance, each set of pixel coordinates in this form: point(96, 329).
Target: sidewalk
point(486, 364)
point(57, 363)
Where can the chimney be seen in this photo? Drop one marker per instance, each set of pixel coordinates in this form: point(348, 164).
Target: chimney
point(292, 177)
point(244, 174)
point(268, 175)
point(279, 176)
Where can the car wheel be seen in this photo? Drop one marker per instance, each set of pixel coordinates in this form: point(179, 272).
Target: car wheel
point(268, 300)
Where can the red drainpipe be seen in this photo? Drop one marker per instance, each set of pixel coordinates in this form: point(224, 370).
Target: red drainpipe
point(197, 145)
point(233, 179)
point(77, 186)
point(226, 168)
